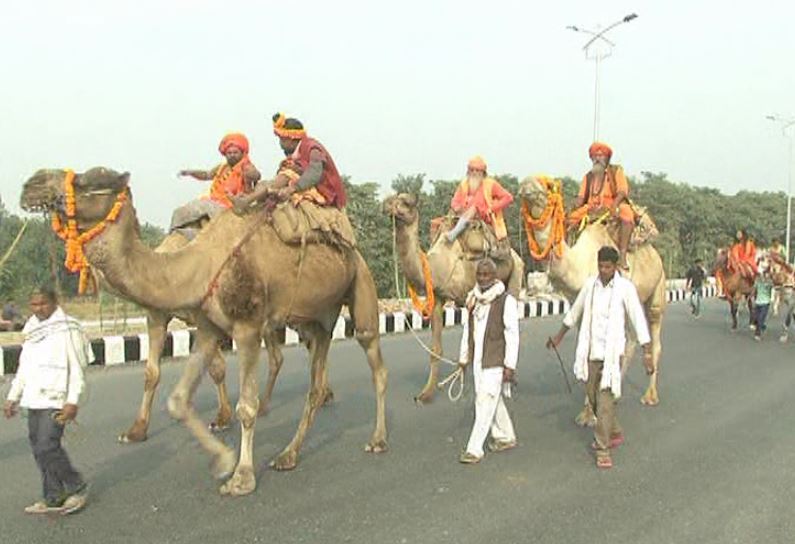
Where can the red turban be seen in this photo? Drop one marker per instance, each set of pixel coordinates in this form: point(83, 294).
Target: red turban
point(234, 139)
point(600, 147)
point(477, 163)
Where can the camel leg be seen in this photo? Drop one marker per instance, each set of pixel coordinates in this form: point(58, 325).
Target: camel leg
point(319, 343)
point(156, 326)
point(437, 326)
point(364, 312)
point(243, 481)
point(275, 361)
point(733, 311)
point(181, 408)
point(218, 374)
point(654, 315)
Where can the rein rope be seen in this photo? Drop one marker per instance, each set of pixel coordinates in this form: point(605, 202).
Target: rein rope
point(74, 240)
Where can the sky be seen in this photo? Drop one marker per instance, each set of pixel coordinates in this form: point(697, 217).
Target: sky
point(407, 87)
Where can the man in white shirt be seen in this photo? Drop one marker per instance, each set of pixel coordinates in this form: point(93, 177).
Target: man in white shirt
point(601, 308)
point(490, 343)
point(49, 382)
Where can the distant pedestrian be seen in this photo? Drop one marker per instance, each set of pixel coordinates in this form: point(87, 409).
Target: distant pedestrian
point(695, 282)
point(49, 383)
point(601, 309)
point(764, 292)
point(490, 344)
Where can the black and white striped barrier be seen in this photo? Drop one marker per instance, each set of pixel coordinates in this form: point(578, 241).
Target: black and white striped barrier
point(115, 350)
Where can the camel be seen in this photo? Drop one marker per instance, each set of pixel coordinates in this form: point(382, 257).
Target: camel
point(576, 263)
point(735, 286)
point(157, 326)
point(452, 268)
point(259, 281)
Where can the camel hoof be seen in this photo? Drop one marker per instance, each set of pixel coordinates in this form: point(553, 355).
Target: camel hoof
point(137, 433)
point(216, 427)
point(223, 465)
point(376, 446)
point(424, 398)
point(585, 418)
point(241, 483)
point(286, 460)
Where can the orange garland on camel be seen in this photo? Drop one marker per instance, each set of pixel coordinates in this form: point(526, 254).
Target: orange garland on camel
point(553, 212)
point(76, 260)
point(426, 308)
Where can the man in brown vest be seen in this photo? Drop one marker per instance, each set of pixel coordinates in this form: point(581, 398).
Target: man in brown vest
point(491, 345)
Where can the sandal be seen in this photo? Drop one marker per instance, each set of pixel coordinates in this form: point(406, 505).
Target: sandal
point(604, 462)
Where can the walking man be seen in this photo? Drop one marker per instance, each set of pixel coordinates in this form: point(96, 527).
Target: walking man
point(49, 382)
point(764, 292)
point(600, 309)
point(490, 343)
point(695, 281)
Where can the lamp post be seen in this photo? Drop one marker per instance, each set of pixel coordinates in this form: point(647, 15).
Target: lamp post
point(598, 48)
point(785, 123)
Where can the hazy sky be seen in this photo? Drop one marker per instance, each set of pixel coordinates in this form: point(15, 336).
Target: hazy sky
point(400, 87)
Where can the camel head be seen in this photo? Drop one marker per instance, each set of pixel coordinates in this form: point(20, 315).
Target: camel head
point(533, 191)
point(95, 192)
point(403, 207)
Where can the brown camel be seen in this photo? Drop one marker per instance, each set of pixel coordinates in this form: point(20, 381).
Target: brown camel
point(568, 273)
point(736, 286)
point(157, 326)
point(452, 269)
point(258, 282)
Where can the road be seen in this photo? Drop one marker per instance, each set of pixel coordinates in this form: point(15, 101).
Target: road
point(711, 464)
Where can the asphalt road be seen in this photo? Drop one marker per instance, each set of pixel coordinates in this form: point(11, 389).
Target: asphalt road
point(711, 464)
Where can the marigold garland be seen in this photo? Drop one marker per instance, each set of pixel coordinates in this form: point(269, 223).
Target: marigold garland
point(426, 308)
point(74, 241)
point(554, 212)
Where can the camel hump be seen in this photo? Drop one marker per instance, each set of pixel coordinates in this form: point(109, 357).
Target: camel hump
point(312, 223)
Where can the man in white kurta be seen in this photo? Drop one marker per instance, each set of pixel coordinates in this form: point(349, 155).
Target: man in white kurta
point(490, 343)
point(601, 309)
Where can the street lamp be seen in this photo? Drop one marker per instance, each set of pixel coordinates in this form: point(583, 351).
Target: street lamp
point(597, 49)
point(785, 123)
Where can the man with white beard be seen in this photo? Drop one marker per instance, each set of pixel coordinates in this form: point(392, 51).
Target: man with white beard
point(605, 187)
point(490, 343)
point(481, 196)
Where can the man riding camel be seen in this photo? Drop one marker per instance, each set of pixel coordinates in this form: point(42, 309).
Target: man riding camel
point(237, 175)
point(307, 172)
point(742, 255)
point(481, 196)
point(605, 187)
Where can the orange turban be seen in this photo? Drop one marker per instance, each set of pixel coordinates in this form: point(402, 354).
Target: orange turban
point(600, 147)
point(234, 139)
point(477, 163)
point(285, 127)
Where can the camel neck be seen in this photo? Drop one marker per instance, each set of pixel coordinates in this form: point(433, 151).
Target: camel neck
point(408, 248)
point(165, 281)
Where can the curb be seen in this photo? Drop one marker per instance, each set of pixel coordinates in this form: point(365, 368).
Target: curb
point(116, 350)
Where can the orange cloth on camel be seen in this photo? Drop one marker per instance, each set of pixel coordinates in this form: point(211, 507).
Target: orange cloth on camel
point(742, 258)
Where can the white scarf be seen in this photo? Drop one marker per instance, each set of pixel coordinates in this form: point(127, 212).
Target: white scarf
point(616, 338)
point(479, 301)
point(52, 337)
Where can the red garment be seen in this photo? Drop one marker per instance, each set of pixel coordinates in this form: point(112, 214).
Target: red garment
point(742, 257)
point(330, 185)
point(500, 199)
point(234, 139)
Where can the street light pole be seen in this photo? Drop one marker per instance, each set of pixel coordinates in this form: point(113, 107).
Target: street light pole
point(785, 124)
point(597, 49)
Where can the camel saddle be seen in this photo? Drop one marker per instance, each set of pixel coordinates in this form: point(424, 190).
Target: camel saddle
point(478, 239)
point(306, 222)
point(645, 230)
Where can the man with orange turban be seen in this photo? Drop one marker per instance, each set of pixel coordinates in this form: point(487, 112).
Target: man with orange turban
point(235, 176)
point(605, 187)
point(479, 195)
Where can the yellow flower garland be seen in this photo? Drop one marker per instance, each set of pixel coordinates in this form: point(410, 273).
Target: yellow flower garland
point(76, 260)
